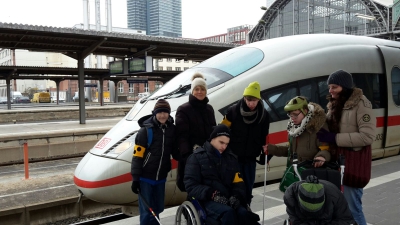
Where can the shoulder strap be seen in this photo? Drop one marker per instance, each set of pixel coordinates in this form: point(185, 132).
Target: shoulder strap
point(149, 136)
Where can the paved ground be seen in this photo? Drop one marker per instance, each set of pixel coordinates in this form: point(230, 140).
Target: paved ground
point(381, 199)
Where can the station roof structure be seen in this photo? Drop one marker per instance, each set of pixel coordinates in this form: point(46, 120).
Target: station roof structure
point(72, 42)
point(120, 45)
point(78, 44)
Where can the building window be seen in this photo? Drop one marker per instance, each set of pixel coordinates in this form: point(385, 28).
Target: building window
point(121, 87)
point(131, 88)
point(186, 61)
point(185, 68)
point(160, 68)
point(169, 60)
point(177, 69)
point(169, 68)
point(160, 60)
point(177, 60)
point(146, 87)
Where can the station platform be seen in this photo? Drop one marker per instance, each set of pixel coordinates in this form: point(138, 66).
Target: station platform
point(381, 200)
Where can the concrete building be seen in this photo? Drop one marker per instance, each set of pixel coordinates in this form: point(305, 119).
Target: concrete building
point(157, 18)
point(237, 35)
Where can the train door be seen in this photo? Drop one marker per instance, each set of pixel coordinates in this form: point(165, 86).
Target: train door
point(391, 56)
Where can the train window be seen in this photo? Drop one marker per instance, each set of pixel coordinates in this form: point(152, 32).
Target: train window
point(308, 89)
point(396, 85)
point(323, 91)
point(234, 61)
point(277, 99)
point(371, 87)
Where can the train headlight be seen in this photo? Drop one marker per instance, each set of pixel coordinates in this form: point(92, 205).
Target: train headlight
point(122, 147)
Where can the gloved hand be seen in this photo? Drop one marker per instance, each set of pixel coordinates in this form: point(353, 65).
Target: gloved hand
point(234, 202)
point(218, 197)
point(252, 217)
point(326, 136)
point(135, 187)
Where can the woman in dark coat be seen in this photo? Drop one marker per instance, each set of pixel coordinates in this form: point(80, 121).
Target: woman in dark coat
point(194, 123)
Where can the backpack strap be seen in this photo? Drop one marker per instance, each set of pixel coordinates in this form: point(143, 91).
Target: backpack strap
point(149, 136)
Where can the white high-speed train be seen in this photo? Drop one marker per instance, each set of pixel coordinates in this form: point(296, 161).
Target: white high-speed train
point(284, 67)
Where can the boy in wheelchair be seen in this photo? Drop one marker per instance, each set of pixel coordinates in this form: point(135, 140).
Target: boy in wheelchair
point(314, 201)
point(212, 177)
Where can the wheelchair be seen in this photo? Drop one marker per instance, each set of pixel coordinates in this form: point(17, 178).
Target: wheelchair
point(332, 172)
point(191, 212)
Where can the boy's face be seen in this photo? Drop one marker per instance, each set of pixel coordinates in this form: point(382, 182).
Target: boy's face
point(220, 143)
point(162, 117)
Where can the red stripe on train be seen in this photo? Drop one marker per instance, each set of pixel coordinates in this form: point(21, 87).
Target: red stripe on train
point(111, 181)
point(103, 183)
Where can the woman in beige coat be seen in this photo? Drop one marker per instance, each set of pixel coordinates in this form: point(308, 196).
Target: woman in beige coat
point(352, 124)
point(306, 119)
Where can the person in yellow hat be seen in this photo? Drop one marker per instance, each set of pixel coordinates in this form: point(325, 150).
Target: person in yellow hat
point(249, 124)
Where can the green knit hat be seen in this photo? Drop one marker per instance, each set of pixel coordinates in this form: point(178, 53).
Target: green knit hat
point(311, 194)
point(296, 103)
point(253, 90)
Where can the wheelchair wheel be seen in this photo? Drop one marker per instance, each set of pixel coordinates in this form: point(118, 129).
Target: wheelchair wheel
point(187, 214)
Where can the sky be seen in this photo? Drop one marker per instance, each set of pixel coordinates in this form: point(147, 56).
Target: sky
point(200, 18)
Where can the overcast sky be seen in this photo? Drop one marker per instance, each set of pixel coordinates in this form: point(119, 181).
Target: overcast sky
point(200, 18)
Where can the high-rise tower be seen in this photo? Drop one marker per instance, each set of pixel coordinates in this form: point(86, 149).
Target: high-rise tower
point(156, 17)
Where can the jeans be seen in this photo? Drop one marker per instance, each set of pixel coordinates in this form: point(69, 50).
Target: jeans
point(353, 197)
point(154, 196)
point(225, 214)
point(248, 172)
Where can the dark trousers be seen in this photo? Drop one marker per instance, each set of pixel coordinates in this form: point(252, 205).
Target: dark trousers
point(226, 214)
point(154, 196)
point(248, 172)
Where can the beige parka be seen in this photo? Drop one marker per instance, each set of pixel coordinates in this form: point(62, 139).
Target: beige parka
point(306, 145)
point(358, 122)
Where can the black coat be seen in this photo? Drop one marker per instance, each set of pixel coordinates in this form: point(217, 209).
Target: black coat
point(334, 212)
point(155, 162)
point(194, 123)
point(207, 172)
point(247, 139)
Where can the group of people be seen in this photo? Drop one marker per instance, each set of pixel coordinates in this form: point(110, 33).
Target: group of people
point(217, 163)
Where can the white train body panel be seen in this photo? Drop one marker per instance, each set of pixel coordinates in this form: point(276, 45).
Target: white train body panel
point(104, 173)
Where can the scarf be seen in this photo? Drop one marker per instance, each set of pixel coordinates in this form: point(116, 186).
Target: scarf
point(296, 130)
point(249, 116)
point(196, 103)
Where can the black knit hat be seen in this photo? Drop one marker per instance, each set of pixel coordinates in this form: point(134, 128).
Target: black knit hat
point(161, 106)
point(220, 130)
point(341, 78)
point(311, 194)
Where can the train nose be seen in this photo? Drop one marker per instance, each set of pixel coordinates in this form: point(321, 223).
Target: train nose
point(104, 180)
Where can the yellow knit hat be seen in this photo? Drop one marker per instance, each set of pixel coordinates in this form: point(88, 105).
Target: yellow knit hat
point(253, 90)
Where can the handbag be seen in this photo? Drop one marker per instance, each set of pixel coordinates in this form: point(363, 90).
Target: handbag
point(289, 176)
point(357, 172)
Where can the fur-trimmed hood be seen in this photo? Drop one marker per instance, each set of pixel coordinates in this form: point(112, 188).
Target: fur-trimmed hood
point(318, 119)
point(353, 100)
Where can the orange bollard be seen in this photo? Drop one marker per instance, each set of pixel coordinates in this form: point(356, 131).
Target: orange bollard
point(26, 160)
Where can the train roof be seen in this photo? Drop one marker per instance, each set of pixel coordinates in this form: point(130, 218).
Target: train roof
point(284, 47)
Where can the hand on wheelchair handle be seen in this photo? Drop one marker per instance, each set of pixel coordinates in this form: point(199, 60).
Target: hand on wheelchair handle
point(326, 136)
point(234, 202)
point(218, 197)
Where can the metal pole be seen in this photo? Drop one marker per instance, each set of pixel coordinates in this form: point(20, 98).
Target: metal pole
point(81, 93)
point(26, 157)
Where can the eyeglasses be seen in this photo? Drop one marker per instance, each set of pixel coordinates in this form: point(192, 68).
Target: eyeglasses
point(293, 115)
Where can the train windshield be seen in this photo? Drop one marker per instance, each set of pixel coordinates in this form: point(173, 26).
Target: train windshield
point(215, 70)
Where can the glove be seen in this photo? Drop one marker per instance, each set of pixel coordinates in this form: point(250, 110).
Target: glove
point(252, 217)
point(135, 187)
point(234, 202)
point(326, 136)
point(218, 197)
